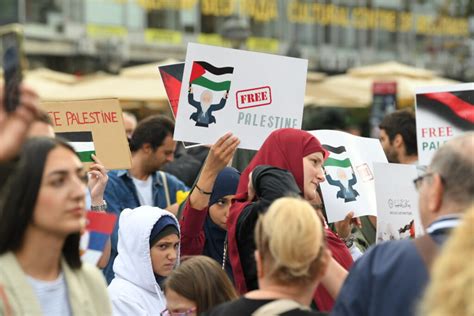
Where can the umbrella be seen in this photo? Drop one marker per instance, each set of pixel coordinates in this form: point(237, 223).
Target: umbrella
point(147, 70)
point(391, 68)
point(354, 89)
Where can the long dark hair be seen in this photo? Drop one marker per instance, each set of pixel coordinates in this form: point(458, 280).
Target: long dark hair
point(18, 199)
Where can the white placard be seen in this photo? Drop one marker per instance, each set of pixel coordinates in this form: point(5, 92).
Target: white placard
point(398, 216)
point(349, 184)
point(264, 92)
point(441, 114)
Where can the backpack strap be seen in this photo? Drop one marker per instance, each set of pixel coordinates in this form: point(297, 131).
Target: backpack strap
point(165, 185)
point(427, 248)
point(278, 307)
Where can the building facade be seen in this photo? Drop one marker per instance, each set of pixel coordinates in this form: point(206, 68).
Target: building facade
point(332, 34)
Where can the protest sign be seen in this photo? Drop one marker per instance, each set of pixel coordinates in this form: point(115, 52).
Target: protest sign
point(384, 99)
point(92, 127)
point(172, 75)
point(98, 229)
point(250, 94)
point(397, 202)
point(441, 114)
point(349, 184)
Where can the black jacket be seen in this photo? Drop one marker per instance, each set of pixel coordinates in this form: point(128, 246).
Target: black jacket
point(270, 183)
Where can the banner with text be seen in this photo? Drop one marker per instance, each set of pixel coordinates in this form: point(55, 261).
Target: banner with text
point(441, 114)
point(349, 184)
point(92, 127)
point(250, 94)
point(397, 202)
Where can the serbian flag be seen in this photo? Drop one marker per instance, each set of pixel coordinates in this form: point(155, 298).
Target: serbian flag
point(172, 75)
point(211, 77)
point(98, 230)
point(82, 143)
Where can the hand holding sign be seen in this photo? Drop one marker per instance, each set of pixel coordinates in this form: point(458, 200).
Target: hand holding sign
point(222, 152)
point(218, 158)
point(97, 181)
point(344, 227)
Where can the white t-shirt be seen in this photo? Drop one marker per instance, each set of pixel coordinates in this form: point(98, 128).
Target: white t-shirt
point(144, 190)
point(52, 295)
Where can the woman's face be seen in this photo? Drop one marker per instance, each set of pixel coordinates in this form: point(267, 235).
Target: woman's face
point(179, 305)
point(60, 207)
point(313, 174)
point(219, 211)
point(164, 254)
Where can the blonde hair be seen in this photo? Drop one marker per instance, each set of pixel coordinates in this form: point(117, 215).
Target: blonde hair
point(290, 240)
point(452, 278)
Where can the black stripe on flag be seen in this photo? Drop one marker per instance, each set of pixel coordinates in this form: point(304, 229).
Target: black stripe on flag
point(336, 150)
point(76, 136)
point(214, 69)
point(175, 70)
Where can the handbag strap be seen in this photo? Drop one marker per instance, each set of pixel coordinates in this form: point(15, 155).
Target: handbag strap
point(165, 184)
point(278, 307)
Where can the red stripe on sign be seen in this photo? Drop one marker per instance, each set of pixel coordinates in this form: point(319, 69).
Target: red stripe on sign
point(173, 89)
point(196, 72)
point(461, 108)
point(101, 222)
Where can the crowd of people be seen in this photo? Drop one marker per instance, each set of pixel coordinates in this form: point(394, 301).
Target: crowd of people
point(243, 242)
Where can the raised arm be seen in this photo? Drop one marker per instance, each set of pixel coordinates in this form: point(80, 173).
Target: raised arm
point(191, 100)
point(218, 158)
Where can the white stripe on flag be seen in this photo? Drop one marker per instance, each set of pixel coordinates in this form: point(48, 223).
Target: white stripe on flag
point(217, 78)
point(91, 256)
point(82, 146)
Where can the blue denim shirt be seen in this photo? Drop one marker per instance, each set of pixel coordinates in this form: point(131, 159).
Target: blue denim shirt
point(121, 193)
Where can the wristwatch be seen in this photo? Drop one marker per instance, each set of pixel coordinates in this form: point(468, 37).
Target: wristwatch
point(349, 241)
point(102, 207)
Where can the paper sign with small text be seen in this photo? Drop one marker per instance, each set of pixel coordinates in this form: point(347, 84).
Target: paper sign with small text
point(398, 216)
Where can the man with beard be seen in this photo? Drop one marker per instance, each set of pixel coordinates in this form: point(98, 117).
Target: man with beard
point(398, 137)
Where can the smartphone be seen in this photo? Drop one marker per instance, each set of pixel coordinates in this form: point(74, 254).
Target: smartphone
point(12, 63)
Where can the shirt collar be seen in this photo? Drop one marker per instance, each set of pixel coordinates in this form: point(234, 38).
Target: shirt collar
point(444, 222)
point(126, 173)
point(121, 173)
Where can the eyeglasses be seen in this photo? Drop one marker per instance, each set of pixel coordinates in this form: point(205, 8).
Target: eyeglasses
point(420, 179)
point(166, 312)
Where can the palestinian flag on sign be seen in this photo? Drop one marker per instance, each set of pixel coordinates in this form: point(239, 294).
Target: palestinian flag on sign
point(211, 77)
point(337, 158)
point(82, 143)
point(457, 107)
point(172, 76)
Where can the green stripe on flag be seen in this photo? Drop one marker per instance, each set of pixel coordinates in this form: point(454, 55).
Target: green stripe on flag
point(86, 156)
point(331, 162)
point(211, 85)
